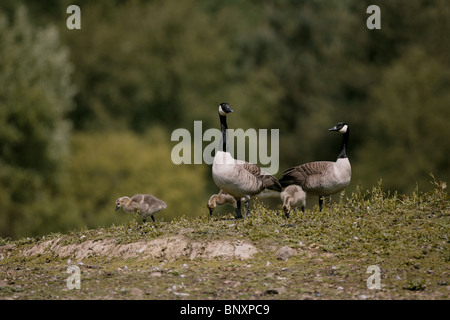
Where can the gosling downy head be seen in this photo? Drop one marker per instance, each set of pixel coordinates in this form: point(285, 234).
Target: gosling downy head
point(287, 209)
point(121, 201)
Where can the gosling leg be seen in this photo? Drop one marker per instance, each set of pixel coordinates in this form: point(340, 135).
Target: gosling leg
point(287, 213)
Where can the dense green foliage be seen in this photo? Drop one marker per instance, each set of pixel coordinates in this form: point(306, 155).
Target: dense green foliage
point(36, 93)
point(86, 115)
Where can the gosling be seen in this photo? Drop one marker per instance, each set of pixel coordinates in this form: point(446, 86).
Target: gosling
point(220, 199)
point(143, 204)
point(292, 197)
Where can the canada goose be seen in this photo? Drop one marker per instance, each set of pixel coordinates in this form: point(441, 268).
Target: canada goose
point(220, 199)
point(238, 178)
point(144, 204)
point(292, 197)
point(323, 178)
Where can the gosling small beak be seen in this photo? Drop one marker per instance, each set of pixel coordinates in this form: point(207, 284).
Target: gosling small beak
point(117, 207)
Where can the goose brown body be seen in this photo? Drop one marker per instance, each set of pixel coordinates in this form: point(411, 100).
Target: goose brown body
point(322, 178)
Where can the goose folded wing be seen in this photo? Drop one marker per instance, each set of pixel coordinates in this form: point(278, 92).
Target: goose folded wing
point(252, 168)
point(269, 181)
point(299, 174)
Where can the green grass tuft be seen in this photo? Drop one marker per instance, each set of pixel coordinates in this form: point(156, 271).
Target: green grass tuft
point(406, 236)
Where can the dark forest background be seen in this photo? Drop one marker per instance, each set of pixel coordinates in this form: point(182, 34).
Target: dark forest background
point(86, 115)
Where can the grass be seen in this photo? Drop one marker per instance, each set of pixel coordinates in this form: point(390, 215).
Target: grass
point(406, 236)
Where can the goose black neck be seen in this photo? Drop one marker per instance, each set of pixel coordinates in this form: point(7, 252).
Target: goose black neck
point(343, 153)
point(224, 127)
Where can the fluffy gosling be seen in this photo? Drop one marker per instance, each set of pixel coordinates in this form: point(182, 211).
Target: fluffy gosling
point(143, 204)
point(292, 197)
point(220, 199)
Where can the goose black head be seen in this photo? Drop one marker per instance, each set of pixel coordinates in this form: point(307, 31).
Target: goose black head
point(224, 109)
point(341, 127)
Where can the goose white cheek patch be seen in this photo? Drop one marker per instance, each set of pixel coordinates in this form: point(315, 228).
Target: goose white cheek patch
point(344, 129)
point(221, 112)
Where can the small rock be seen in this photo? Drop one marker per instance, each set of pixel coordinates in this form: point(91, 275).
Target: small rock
point(284, 253)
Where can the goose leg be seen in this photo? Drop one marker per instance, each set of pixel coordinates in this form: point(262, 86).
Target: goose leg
point(238, 209)
point(247, 210)
point(320, 203)
point(287, 213)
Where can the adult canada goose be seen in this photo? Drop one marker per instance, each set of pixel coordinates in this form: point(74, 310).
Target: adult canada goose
point(292, 197)
point(323, 178)
point(144, 204)
point(220, 199)
point(238, 178)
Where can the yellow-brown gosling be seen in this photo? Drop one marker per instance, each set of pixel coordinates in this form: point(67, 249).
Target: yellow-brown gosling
point(220, 199)
point(293, 196)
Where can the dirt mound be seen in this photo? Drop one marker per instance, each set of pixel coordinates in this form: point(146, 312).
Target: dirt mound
point(169, 248)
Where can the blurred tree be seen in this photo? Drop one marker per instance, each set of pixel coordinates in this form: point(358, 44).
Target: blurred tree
point(161, 62)
point(303, 49)
point(127, 164)
point(35, 94)
point(409, 125)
